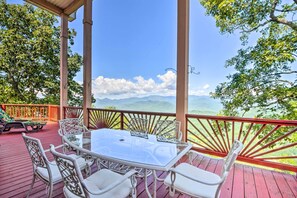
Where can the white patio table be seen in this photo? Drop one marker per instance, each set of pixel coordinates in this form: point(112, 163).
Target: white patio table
point(121, 147)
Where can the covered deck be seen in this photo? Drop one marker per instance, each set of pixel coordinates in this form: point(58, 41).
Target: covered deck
point(243, 181)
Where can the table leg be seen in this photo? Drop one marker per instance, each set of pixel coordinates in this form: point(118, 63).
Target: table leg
point(145, 184)
point(155, 183)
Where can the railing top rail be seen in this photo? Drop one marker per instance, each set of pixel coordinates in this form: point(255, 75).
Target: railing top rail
point(53, 105)
point(249, 120)
point(72, 107)
point(35, 105)
point(135, 112)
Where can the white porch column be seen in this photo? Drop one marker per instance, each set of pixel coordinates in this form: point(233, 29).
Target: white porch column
point(63, 63)
point(87, 70)
point(182, 62)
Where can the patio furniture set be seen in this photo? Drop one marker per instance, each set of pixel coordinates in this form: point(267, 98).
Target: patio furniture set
point(120, 157)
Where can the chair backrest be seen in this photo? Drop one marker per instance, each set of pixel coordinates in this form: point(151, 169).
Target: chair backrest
point(71, 126)
point(231, 157)
point(4, 116)
point(36, 152)
point(138, 125)
point(70, 171)
point(169, 129)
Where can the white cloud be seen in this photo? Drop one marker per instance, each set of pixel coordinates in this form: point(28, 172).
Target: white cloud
point(138, 87)
point(206, 86)
point(199, 91)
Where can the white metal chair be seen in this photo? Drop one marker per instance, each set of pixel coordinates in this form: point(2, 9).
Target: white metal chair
point(44, 169)
point(167, 130)
point(103, 183)
point(196, 182)
point(138, 127)
point(72, 126)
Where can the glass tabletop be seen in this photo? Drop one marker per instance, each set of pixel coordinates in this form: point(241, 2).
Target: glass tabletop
point(121, 145)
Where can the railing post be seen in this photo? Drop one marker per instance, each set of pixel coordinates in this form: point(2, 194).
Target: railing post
point(182, 62)
point(87, 58)
point(49, 115)
point(186, 128)
point(64, 112)
point(88, 118)
point(122, 120)
point(63, 62)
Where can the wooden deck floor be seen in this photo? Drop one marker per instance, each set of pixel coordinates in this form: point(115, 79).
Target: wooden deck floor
point(244, 181)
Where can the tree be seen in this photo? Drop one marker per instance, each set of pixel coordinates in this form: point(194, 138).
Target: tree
point(29, 57)
point(265, 77)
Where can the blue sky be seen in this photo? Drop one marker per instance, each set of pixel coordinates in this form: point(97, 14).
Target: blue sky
point(134, 42)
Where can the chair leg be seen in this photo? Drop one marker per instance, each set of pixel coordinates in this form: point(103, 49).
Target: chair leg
point(134, 184)
point(33, 181)
point(50, 190)
point(88, 169)
point(25, 127)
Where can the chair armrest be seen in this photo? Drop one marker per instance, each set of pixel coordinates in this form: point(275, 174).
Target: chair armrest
point(60, 133)
point(86, 129)
point(173, 170)
point(113, 185)
point(47, 150)
point(180, 136)
point(192, 152)
point(56, 147)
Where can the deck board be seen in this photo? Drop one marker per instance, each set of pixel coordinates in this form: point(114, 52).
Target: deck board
point(249, 183)
point(291, 181)
point(242, 181)
point(261, 186)
point(272, 187)
point(285, 189)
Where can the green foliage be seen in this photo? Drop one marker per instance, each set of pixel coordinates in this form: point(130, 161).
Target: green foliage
point(265, 76)
point(29, 57)
point(110, 107)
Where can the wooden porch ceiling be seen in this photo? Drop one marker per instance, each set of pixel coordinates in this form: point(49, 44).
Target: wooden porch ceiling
point(58, 7)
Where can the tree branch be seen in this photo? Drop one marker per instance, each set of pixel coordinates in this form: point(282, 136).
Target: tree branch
point(281, 20)
point(290, 72)
point(286, 10)
point(255, 28)
point(287, 82)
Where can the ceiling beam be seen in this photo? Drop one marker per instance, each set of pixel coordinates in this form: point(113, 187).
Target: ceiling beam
point(47, 6)
point(73, 6)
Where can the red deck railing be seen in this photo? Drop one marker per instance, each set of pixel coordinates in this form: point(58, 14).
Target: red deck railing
point(267, 142)
point(117, 119)
point(33, 111)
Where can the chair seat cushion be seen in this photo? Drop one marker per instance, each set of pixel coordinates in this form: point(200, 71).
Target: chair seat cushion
point(56, 176)
point(191, 187)
point(102, 179)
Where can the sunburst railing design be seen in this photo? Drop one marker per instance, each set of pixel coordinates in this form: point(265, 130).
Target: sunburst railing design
point(266, 142)
point(116, 119)
point(152, 118)
point(103, 118)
